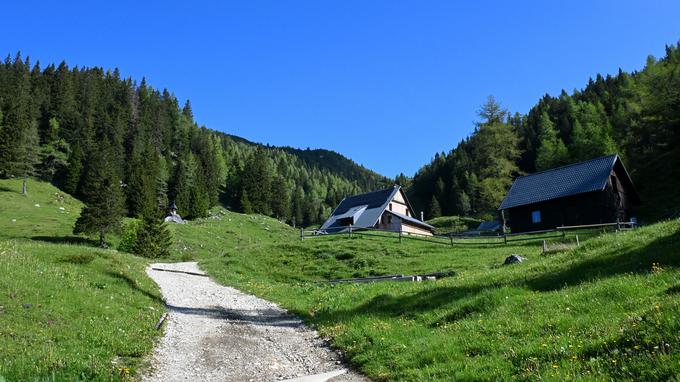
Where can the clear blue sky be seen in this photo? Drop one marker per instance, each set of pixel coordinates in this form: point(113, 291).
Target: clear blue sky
point(387, 83)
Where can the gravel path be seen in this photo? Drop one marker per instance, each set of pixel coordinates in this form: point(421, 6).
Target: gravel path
point(217, 333)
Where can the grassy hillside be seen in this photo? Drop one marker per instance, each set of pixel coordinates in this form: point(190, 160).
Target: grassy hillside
point(605, 310)
point(68, 311)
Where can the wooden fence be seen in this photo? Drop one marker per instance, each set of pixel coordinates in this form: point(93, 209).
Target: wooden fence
point(453, 239)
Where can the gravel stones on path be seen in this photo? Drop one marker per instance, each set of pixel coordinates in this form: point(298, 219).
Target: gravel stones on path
point(218, 333)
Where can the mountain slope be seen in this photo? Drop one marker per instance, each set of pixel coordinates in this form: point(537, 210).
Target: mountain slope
point(68, 311)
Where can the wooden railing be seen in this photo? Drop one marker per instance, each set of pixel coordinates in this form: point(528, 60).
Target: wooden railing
point(452, 239)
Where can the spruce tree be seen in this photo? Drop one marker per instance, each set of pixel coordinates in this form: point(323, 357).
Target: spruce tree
point(104, 208)
point(256, 182)
point(433, 209)
point(19, 142)
point(53, 153)
point(551, 149)
point(280, 202)
point(153, 237)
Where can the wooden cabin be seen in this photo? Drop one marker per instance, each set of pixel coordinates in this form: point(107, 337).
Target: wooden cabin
point(387, 210)
point(591, 192)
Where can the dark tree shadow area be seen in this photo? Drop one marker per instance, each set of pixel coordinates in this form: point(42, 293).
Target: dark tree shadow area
point(258, 317)
point(412, 305)
point(662, 251)
point(73, 240)
point(133, 284)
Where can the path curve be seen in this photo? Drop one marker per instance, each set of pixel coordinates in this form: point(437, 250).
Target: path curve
point(218, 333)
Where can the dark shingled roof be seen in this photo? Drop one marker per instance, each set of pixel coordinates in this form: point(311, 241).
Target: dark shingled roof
point(370, 199)
point(578, 178)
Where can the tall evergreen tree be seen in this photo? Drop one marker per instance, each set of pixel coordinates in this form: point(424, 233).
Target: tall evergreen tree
point(551, 149)
point(280, 198)
point(153, 237)
point(104, 208)
point(433, 209)
point(19, 142)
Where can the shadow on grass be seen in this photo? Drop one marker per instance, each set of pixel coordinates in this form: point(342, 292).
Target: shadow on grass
point(73, 240)
point(482, 298)
point(133, 284)
point(412, 305)
point(7, 189)
point(615, 261)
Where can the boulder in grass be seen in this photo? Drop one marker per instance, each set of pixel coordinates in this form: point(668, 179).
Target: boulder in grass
point(174, 218)
point(513, 259)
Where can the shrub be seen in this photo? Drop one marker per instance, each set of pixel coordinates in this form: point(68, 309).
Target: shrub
point(129, 235)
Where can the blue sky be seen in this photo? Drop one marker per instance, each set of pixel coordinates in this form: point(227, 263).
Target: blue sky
point(386, 83)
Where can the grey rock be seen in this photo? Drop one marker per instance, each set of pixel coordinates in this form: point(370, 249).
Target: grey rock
point(513, 259)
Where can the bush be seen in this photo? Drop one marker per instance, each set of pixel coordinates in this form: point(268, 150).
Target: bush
point(129, 235)
point(153, 238)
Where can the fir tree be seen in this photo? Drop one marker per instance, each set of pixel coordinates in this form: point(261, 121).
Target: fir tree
point(551, 149)
point(280, 202)
point(153, 237)
point(433, 209)
point(53, 153)
point(104, 209)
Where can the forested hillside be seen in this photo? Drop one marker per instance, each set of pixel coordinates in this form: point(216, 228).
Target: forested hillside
point(89, 131)
point(634, 114)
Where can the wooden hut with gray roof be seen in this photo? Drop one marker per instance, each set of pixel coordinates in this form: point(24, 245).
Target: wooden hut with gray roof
point(387, 210)
point(591, 192)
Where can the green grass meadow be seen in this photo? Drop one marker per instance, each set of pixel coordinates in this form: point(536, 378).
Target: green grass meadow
point(68, 311)
point(606, 310)
point(602, 311)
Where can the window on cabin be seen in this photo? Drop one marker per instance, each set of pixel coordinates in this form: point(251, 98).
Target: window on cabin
point(390, 206)
point(389, 219)
point(536, 217)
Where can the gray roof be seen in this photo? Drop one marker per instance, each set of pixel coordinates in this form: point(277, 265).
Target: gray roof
point(412, 220)
point(573, 179)
point(491, 225)
point(365, 210)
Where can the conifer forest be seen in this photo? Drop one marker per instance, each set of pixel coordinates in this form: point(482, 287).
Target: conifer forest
point(133, 150)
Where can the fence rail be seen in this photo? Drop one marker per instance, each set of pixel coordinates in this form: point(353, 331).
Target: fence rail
point(453, 239)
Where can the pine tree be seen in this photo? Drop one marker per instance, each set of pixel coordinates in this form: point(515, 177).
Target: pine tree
point(256, 182)
point(433, 209)
point(591, 134)
point(74, 169)
point(280, 202)
point(153, 237)
point(104, 209)
point(551, 149)
point(462, 202)
point(19, 142)
point(53, 153)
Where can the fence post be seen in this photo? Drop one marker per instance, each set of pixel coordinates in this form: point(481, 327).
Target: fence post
point(451, 239)
point(302, 234)
point(577, 242)
point(399, 236)
point(545, 247)
point(564, 234)
point(350, 230)
point(505, 239)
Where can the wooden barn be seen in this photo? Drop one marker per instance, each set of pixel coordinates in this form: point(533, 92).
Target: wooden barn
point(591, 192)
point(387, 210)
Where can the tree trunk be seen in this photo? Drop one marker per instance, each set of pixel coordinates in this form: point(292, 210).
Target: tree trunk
point(102, 243)
point(23, 187)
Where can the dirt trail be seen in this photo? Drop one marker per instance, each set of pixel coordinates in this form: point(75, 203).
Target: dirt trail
point(217, 333)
